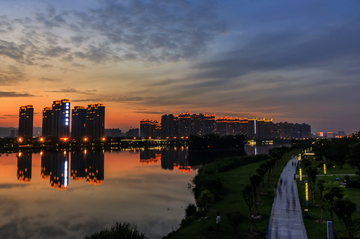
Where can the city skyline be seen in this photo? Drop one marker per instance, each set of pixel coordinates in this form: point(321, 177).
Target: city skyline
point(290, 61)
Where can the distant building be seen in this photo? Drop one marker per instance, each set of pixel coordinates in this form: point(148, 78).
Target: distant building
point(47, 121)
point(184, 124)
point(60, 118)
point(133, 133)
point(113, 132)
point(209, 124)
point(95, 121)
point(78, 122)
point(26, 120)
point(168, 126)
point(149, 128)
point(13, 133)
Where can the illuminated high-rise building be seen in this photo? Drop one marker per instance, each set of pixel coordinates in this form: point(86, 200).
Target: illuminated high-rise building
point(60, 119)
point(47, 121)
point(78, 122)
point(221, 126)
point(197, 125)
point(148, 128)
point(24, 166)
point(184, 124)
point(209, 124)
point(26, 119)
point(95, 121)
point(168, 126)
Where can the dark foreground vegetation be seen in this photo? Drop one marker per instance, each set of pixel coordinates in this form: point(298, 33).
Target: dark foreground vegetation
point(122, 230)
point(331, 198)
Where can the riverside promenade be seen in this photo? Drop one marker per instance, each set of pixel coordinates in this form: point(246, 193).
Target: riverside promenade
point(286, 216)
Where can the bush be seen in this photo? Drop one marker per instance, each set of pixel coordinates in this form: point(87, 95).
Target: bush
point(187, 221)
point(190, 210)
point(120, 230)
point(205, 200)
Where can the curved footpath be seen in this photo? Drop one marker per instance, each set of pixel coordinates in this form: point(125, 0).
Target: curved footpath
point(286, 217)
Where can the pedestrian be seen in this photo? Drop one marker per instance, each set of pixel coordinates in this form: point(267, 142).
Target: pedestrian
point(217, 220)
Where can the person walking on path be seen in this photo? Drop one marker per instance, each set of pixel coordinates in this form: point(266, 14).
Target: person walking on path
point(286, 216)
point(217, 220)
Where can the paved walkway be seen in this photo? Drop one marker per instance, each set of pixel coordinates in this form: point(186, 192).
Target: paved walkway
point(286, 217)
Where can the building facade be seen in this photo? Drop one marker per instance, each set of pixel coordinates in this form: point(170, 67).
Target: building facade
point(95, 121)
point(78, 122)
point(26, 121)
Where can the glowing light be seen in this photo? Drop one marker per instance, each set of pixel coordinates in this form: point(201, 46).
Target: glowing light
point(325, 169)
point(65, 174)
point(41, 153)
point(85, 139)
point(41, 139)
point(103, 139)
point(300, 172)
point(20, 154)
point(307, 191)
point(20, 139)
point(64, 139)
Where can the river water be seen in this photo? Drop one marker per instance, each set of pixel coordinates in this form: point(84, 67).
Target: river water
point(72, 194)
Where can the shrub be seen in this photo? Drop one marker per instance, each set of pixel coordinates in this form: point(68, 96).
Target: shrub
point(120, 230)
point(205, 200)
point(190, 210)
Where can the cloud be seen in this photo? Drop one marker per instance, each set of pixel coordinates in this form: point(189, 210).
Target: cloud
point(4, 94)
point(45, 79)
point(72, 90)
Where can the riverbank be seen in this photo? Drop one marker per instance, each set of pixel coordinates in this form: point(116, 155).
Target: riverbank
point(232, 200)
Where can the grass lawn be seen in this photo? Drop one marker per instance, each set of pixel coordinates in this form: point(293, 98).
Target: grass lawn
point(234, 182)
point(318, 230)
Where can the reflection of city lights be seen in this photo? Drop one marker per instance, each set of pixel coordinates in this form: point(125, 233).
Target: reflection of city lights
point(65, 174)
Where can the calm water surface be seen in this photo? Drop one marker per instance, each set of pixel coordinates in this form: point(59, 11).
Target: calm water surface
point(73, 194)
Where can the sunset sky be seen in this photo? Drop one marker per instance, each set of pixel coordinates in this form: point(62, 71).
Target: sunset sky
point(295, 61)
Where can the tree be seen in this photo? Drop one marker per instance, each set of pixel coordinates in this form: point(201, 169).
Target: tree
point(343, 209)
point(311, 173)
point(255, 181)
point(332, 191)
point(320, 185)
point(249, 200)
point(205, 200)
point(234, 218)
point(354, 157)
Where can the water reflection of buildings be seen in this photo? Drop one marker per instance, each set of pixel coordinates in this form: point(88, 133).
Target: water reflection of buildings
point(149, 156)
point(24, 166)
point(175, 158)
point(88, 164)
point(55, 166)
